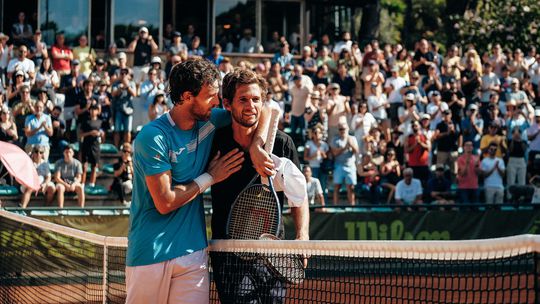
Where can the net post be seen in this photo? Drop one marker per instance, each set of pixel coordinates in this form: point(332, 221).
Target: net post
point(105, 270)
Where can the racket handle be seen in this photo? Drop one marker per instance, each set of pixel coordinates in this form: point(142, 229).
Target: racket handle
point(272, 131)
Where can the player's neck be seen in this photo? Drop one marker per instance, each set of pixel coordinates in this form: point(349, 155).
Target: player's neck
point(182, 118)
point(243, 135)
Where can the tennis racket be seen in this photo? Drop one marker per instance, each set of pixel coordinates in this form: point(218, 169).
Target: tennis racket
point(286, 267)
point(256, 210)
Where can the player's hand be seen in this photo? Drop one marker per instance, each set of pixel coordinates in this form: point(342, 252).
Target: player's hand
point(304, 257)
point(221, 167)
point(262, 162)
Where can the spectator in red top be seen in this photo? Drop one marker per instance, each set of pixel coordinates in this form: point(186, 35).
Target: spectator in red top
point(417, 147)
point(62, 55)
point(467, 177)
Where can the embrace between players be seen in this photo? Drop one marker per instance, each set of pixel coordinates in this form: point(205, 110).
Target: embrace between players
point(179, 156)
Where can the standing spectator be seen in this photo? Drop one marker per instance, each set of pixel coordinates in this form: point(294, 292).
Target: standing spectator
point(316, 152)
point(123, 92)
point(372, 74)
point(150, 87)
point(470, 80)
point(8, 129)
point(300, 96)
point(337, 108)
point(143, 46)
point(248, 43)
point(325, 58)
point(497, 59)
point(516, 167)
point(23, 108)
point(490, 83)
point(344, 148)
point(408, 114)
point(517, 66)
point(439, 188)
point(533, 134)
point(390, 173)
point(452, 61)
point(21, 31)
point(44, 174)
point(85, 54)
point(91, 137)
point(104, 99)
point(59, 127)
point(436, 108)
point(448, 138)
point(423, 58)
point(14, 89)
point(21, 63)
point(403, 64)
point(38, 128)
point(85, 100)
point(516, 117)
point(418, 148)
point(61, 55)
point(432, 81)
point(277, 83)
point(467, 178)
point(6, 52)
point(314, 189)
point(408, 190)
point(68, 173)
point(493, 170)
point(362, 122)
point(378, 103)
point(38, 49)
point(393, 86)
point(123, 174)
point(47, 78)
point(272, 45)
point(308, 62)
point(472, 126)
point(493, 138)
point(455, 100)
point(285, 60)
point(344, 44)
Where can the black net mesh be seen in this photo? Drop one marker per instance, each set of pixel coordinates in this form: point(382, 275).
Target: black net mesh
point(43, 265)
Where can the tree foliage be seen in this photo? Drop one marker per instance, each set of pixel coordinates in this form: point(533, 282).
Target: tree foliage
point(512, 23)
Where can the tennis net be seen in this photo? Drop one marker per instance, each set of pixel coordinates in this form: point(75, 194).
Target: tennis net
point(42, 262)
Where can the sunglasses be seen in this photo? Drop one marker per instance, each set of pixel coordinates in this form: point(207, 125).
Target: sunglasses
point(126, 151)
point(39, 152)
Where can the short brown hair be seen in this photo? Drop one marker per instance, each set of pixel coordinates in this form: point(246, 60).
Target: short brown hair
point(238, 77)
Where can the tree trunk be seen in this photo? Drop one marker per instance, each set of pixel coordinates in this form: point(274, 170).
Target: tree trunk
point(369, 27)
point(408, 25)
point(455, 7)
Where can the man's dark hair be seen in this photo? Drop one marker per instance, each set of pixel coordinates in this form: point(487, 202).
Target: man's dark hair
point(240, 77)
point(190, 76)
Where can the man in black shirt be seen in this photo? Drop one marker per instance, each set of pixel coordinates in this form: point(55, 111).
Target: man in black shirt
point(447, 135)
point(238, 281)
point(423, 58)
point(143, 46)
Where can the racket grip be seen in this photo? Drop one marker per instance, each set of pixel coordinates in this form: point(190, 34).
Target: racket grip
point(272, 131)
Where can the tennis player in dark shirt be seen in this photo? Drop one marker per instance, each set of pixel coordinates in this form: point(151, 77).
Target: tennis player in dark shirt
point(238, 281)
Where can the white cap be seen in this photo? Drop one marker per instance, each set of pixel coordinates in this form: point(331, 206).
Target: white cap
point(122, 55)
point(409, 96)
point(143, 29)
point(155, 59)
point(307, 49)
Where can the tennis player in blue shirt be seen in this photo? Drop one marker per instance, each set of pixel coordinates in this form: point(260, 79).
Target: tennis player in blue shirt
point(166, 256)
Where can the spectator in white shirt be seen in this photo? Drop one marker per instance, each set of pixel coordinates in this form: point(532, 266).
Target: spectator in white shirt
point(435, 108)
point(393, 86)
point(314, 189)
point(22, 63)
point(409, 189)
point(493, 171)
point(377, 103)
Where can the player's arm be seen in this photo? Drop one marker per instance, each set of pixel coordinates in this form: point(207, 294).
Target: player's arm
point(301, 220)
point(262, 162)
point(167, 198)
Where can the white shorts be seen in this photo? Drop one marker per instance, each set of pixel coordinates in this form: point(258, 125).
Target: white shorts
point(184, 279)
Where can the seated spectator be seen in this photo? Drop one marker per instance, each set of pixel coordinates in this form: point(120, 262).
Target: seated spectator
point(99, 72)
point(285, 60)
point(38, 128)
point(493, 170)
point(337, 108)
point(158, 107)
point(46, 185)
point(150, 87)
point(195, 49)
point(216, 56)
point(314, 189)
point(408, 190)
point(248, 43)
point(370, 178)
point(308, 62)
point(123, 174)
point(8, 129)
point(378, 103)
point(467, 177)
point(48, 79)
point(91, 137)
point(362, 122)
point(177, 46)
point(344, 148)
point(68, 174)
point(439, 188)
point(22, 63)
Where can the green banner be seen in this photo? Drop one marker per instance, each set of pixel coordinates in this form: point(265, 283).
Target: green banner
point(431, 225)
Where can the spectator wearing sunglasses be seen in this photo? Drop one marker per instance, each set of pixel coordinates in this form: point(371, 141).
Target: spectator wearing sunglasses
point(44, 174)
point(493, 169)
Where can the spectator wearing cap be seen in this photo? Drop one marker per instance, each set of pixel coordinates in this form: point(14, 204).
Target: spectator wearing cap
point(448, 139)
point(37, 129)
point(472, 126)
point(195, 48)
point(521, 98)
point(143, 46)
point(493, 170)
point(177, 46)
point(285, 59)
point(435, 108)
point(408, 114)
point(467, 177)
point(104, 99)
point(372, 74)
point(347, 83)
point(438, 188)
point(300, 95)
point(533, 135)
point(22, 63)
point(425, 122)
point(308, 62)
point(417, 147)
point(43, 96)
point(38, 49)
point(516, 166)
point(377, 103)
point(516, 117)
point(216, 56)
point(100, 72)
point(68, 175)
point(44, 174)
point(14, 89)
point(158, 107)
point(85, 54)
point(61, 55)
point(490, 83)
point(493, 138)
point(337, 109)
point(344, 148)
point(408, 190)
point(122, 65)
point(455, 99)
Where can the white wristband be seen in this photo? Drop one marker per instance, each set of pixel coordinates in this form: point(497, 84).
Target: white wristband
point(204, 181)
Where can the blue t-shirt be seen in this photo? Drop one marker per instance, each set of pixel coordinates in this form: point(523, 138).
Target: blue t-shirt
point(161, 146)
point(41, 137)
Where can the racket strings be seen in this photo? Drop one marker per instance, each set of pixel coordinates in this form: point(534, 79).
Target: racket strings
point(255, 213)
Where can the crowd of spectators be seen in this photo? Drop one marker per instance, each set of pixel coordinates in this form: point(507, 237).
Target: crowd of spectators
point(390, 124)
